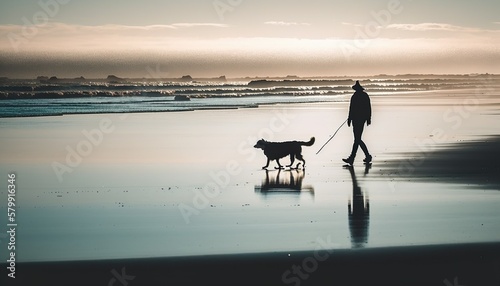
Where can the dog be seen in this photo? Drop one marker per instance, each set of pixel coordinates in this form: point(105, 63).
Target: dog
point(278, 150)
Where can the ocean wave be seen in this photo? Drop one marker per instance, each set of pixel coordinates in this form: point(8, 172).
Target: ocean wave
point(31, 98)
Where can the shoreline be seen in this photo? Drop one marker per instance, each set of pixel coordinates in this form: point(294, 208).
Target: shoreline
point(208, 107)
point(475, 263)
point(319, 99)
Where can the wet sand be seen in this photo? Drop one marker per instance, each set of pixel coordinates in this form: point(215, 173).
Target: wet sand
point(179, 196)
point(467, 264)
point(474, 163)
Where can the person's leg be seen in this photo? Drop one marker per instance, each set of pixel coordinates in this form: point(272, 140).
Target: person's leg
point(361, 143)
point(357, 128)
point(364, 148)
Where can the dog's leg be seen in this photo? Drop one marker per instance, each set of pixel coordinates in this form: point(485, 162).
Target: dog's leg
point(299, 157)
point(267, 165)
point(292, 159)
point(279, 165)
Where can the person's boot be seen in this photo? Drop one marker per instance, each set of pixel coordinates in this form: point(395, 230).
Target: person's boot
point(368, 159)
point(349, 160)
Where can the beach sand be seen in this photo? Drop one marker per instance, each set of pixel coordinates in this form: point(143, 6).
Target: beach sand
point(468, 264)
point(180, 198)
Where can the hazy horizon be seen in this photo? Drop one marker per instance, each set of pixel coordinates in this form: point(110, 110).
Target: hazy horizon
point(237, 38)
point(365, 77)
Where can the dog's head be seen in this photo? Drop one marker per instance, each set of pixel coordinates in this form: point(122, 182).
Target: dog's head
point(261, 144)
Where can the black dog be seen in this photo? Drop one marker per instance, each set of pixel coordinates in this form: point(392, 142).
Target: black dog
point(278, 150)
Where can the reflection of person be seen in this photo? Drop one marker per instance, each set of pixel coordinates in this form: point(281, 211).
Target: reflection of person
point(358, 213)
point(360, 111)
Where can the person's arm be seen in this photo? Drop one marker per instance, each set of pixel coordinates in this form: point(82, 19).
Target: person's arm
point(369, 111)
point(351, 110)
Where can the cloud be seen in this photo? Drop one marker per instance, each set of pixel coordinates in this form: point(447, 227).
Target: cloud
point(281, 23)
point(69, 37)
point(157, 27)
point(252, 56)
point(425, 27)
point(59, 27)
point(191, 25)
point(352, 24)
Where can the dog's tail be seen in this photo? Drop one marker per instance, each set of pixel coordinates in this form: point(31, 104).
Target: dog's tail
point(308, 143)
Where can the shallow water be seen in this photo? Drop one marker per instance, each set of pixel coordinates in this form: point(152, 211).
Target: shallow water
point(113, 221)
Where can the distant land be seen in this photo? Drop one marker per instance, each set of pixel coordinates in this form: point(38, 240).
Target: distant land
point(292, 79)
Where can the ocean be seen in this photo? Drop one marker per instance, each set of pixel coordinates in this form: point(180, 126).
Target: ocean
point(52, 97)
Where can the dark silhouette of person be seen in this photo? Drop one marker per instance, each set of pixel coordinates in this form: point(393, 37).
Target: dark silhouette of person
point(358, 212)
point(360, 112)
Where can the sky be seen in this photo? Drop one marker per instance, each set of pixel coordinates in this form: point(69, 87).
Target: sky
point(239, 38)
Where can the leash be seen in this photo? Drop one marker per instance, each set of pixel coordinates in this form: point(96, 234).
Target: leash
point(331, 138)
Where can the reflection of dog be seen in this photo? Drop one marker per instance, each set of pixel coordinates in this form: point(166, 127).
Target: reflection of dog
point(290, 183)
point(278, 150)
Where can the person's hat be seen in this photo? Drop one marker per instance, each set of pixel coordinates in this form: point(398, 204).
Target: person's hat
point(357, 86)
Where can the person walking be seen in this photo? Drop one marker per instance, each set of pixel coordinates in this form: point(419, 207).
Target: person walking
point(360, 112)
